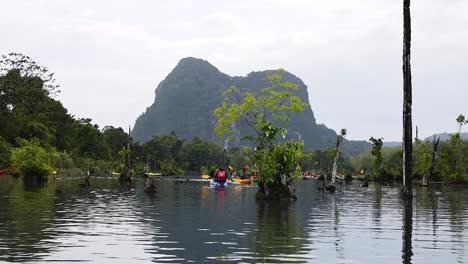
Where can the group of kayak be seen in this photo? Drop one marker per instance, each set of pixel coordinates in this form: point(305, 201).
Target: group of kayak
point(220, 179)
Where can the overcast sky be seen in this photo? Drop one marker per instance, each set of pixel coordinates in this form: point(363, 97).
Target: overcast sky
point(109, 56)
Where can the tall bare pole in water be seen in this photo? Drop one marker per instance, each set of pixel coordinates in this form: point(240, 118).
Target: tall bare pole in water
point(407, 101)
point(127, 158)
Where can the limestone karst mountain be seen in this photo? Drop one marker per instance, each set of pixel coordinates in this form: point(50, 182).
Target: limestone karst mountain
point(185, 100)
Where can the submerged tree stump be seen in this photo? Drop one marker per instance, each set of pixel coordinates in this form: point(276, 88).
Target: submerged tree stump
point(86, 182)
point(150, 185)
point(275, 191)
point(31, 179)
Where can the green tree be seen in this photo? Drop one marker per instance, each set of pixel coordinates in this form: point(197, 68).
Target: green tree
point(199, 153)
point(27, 111)
point(160, 148)
point(392, 160)
point(266, 113)
point(423, 158)
point(453, 159)
point(115, 138)
point(170, 167)
point(458, 142)
point(29, 68)
point(376, 151)
point(32, 160)
point(89, 142)
point(461, 122)
point(5, 153)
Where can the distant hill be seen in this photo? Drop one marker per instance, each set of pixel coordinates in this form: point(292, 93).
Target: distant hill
point(391, 144)
point(446, 136)
point(185, 101)
point(443, 137)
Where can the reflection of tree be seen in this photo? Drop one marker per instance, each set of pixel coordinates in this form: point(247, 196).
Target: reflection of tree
point(435, 206)
point(457, 203)
point(407, 250)
point(30, 212)
point(336, 224)
point(427, 206)
point(278, 230)
point(377, 214)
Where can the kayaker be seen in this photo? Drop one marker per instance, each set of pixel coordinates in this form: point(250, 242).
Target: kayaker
point(245, 172)
point(220, 175)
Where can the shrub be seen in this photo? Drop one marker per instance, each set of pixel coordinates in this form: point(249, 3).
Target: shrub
point(32, 160)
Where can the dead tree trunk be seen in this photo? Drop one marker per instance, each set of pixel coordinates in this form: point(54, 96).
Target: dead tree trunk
point(127, 159)
point(339, 139)
point(435, 157)
point(407, 102)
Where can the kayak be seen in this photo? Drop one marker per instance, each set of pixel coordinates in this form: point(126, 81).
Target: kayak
point(241, 181)
point(204, 176)
point(153, 174)
point(218, 184)
point(115, 173)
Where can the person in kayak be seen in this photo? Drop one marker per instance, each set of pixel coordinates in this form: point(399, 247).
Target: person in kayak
point(245, 172)
point(220, 175)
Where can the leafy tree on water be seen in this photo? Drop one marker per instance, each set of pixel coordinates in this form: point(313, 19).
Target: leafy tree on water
point(266, 113)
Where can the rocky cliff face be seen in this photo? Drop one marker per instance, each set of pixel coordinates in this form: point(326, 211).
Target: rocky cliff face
point(186, 99)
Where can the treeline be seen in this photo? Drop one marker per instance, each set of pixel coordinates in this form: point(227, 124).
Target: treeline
point(38, 136)
point(444, 161)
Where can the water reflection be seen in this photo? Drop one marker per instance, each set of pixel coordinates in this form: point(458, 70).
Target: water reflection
point(377, 206)
point(187, 222)
point(457, 201)
point(407, 230)
point(277, 224)
point(26, 213)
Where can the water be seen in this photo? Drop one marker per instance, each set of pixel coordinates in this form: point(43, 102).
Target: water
point(190, 222)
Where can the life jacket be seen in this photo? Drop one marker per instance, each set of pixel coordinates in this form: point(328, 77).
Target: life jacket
point(221, 176)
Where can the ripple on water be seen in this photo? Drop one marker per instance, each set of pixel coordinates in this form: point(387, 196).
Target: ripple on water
point(189, 223)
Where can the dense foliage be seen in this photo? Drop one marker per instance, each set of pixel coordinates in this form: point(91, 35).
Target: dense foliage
point(450, 164)
point(31, 159)
point(266, 113)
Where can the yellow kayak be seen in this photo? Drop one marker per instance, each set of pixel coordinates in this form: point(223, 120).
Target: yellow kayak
point(153, 174)
point(245, 181)
point(115, 173)
point(204, 176)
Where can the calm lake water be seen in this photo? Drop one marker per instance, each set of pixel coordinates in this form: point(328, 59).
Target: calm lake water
point(191, 222)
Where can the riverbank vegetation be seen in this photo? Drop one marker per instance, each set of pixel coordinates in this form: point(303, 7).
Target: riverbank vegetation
point(39, 137)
